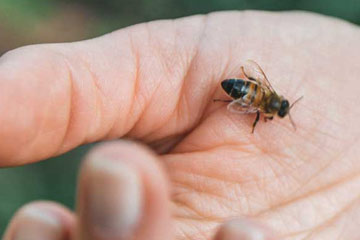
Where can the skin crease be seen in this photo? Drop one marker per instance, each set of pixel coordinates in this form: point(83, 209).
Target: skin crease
point(155, 83)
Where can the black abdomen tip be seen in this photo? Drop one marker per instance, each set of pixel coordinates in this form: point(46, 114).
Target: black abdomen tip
point(228, 85)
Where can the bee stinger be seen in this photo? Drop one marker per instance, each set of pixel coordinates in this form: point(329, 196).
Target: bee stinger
point(255, 95)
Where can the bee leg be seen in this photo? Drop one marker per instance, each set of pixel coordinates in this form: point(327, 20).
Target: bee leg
point(268, 118)
point(256, 120)
point(222, 100)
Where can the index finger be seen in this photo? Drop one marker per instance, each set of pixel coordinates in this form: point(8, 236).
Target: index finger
point(55, 97)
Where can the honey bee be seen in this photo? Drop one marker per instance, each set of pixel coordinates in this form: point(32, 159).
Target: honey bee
point(255, 95)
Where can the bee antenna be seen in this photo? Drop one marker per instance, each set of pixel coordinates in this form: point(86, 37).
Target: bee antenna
point(296, 101)
point(292, 121)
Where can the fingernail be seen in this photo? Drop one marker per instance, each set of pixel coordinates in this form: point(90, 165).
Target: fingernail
point(113, 198)
point(37, 224)
point(242, 230)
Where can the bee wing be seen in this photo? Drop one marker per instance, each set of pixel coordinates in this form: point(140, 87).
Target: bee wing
point(253, 71)
point(239, 106)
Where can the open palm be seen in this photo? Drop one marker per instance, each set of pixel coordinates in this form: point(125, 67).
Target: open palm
point(155, 83)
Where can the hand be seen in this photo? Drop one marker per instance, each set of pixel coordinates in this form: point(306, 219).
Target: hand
point(155, 83)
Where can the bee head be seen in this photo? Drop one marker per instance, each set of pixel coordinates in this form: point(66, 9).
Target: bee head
point(284, 108)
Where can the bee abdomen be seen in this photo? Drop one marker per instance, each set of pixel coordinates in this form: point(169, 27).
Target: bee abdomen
point(236, 88)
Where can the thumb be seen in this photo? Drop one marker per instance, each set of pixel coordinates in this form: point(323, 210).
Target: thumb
point(123, 194)
point(244, 229)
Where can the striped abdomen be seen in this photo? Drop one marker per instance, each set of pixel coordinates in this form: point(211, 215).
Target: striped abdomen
point(249, 91)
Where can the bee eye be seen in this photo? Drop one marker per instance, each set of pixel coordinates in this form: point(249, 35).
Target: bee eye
point(284, 108)
point(285, 104)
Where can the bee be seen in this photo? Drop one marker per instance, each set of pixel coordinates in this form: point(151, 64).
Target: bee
point(255, 95)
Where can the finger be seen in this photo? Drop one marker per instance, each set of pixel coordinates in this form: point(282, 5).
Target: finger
point(243, 229)
point(123, 194)
point(41, 221)
point(56, 97)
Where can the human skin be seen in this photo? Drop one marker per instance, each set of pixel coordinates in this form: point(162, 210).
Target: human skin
point(155, 82)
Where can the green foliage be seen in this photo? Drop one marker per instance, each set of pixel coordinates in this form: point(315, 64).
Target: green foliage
point(53, 179)
point(25, 13)
point(145, 10)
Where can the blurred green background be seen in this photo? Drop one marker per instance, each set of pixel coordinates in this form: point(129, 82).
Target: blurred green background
point(25, 22)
